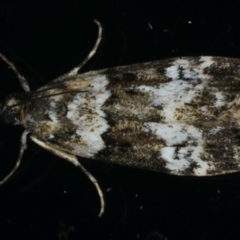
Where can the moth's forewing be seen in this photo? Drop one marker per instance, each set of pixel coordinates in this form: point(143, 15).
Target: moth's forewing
point(179, 116)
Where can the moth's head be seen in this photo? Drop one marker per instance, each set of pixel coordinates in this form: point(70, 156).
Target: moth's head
point(11, 109)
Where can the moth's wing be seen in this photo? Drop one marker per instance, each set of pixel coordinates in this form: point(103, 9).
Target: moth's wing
point(179, 116)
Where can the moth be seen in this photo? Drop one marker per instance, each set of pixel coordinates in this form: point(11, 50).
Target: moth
point(178, 116)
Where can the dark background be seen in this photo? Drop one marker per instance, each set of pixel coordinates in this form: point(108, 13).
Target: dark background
point(48, 198)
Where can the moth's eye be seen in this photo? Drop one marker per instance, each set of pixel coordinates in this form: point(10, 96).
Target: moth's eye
point(9, 117)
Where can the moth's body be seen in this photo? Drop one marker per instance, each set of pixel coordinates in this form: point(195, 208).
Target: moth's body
point(179, 116)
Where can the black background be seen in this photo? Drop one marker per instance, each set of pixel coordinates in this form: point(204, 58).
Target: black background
point(48, 197)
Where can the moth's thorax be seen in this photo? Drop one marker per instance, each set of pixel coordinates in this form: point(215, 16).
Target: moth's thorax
point(70, 112)
point(45, 109)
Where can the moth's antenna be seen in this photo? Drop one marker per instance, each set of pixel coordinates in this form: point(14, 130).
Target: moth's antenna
point(22, 149)
point(99, 38)
point(22, 79)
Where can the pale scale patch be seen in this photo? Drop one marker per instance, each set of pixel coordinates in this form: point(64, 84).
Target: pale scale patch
point(52, 114)
point(220, 101)
point(57, 98)
point(177, 134)
point(189, 70)
point(177, 93)
point(30, 119)
point(172, 95)
point(12, 101)
point(51, 136)
point(85, 112)
point(215, 130)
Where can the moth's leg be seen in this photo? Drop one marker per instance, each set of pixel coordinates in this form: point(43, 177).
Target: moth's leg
point(75, 70)
point(23, 147)
point(73, 159)
point(22, 79)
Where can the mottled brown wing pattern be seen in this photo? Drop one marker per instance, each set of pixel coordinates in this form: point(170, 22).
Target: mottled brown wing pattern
point(178, 116)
